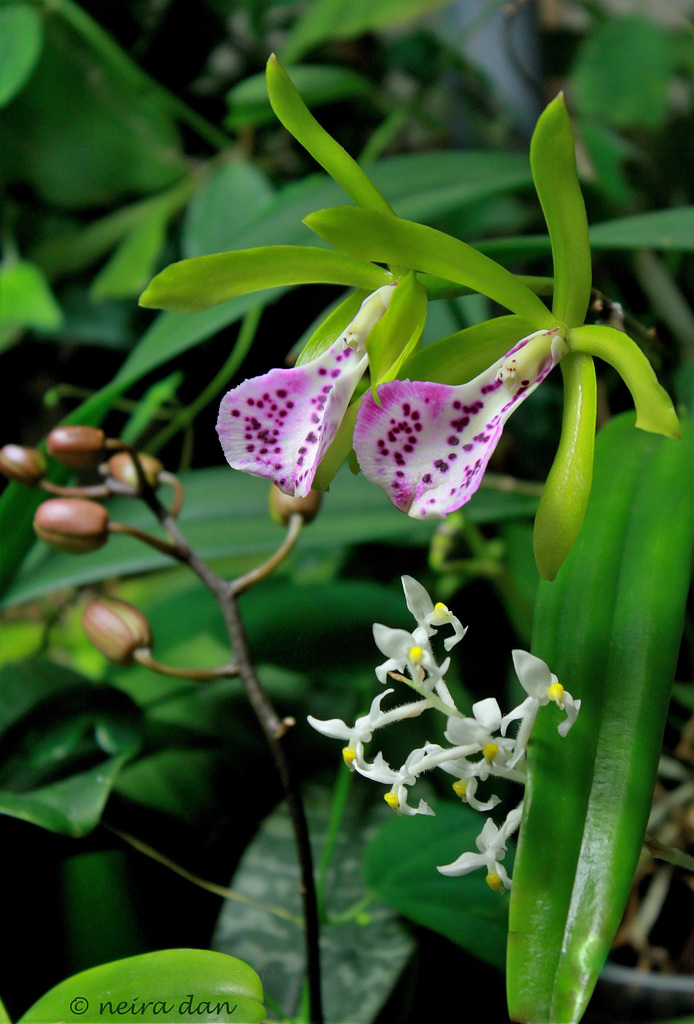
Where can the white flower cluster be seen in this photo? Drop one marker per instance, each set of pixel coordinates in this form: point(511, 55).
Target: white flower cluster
point(483, 733)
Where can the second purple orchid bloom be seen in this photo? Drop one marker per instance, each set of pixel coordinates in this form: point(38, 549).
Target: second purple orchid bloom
point(426, 444)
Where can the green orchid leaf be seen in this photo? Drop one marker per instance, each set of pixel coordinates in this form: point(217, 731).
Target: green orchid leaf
point(166, 986)
point(654, 409)
point(553, 163)
point(21, 38)
point(27, 301)
point(610, 628)
point(131, 265)
point(459, 357)
point(64, 743)
point(565, 496)
point(195, 284)
point(346, 19)
point(300, 122)
point(393, 338)
point(376, 236)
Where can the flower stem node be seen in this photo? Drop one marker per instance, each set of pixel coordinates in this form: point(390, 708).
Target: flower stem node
point(284, 506)
point(72, 525)
point(23, 465)
point(122, 468)
point(77, 447)
point(117, 629)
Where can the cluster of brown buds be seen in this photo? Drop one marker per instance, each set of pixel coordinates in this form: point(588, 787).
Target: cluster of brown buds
point(75, 522)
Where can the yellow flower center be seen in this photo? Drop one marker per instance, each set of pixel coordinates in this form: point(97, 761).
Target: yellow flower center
point(441, 608)
point(490, 751)
point(494, 882)
point(556, 693)
point(460, 788)
point(349, 754)
point(392, 800)
point(415, 654)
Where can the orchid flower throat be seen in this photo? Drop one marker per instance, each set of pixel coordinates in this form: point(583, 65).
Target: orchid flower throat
point(280, 425)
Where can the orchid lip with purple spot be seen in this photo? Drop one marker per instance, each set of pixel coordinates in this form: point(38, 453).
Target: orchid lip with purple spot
point(280, 425)
point(428, 445)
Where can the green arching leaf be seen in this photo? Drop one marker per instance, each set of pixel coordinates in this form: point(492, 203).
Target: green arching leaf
point(654, 409)
point(130, 267)
point(346, 19)
point(157, 987)
point(459, 357)
point(393, 338)
point(300, 122)
point(21, 36)
point(659, 229)
point(27, 301)
point(228, 200)
point(194, 285)
point(553, 163)
point(317, 84)
point(565, 496)
point(387, 239)
point(610, 627)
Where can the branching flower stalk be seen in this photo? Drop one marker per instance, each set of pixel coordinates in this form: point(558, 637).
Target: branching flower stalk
point(74, 524)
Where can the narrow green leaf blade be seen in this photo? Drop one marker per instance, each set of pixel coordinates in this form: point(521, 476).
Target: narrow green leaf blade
point(196, 284)
point(21, 37)
point(610, 628)
point(553, 163)
point(385, 239)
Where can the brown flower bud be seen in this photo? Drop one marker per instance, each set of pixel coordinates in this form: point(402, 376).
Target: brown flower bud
point(77, 447)
point(117, 629)
point(72, 524)
point(25, 465)
point(122, 468)
point(282, 505)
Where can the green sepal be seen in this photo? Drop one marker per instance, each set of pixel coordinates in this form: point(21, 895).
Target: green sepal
point(553, 164)
point(376, 236)
point(565, 496)
point(393, 338)
point(459, 357)
point(204, 281)
point(164, 986)
point(300, 122)
point(610, 627)
point(654, 408)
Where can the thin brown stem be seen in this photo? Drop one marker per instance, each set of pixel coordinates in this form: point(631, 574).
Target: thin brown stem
point(296, 522)
point(166, 548)
point(196, 675)
point(275, 728)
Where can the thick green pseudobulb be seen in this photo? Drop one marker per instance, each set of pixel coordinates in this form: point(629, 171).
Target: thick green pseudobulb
point(610, 627)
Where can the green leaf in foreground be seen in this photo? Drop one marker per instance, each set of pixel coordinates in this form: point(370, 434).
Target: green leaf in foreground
point(610, 628)
point(164, 987)
point(400, 868)
point(21, 35)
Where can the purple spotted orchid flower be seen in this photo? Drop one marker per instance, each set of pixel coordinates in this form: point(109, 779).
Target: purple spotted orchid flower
point(281, 424)
point(427, 445)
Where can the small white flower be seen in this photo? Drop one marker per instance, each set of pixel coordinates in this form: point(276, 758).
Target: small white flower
point(491, 842)
point(364, 727)
point(409, 651)
point(420, 760)
point(429, 614)
point(542, 687)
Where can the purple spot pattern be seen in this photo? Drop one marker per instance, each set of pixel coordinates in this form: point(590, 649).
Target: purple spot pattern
point(428, 445)
point(279, 425)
